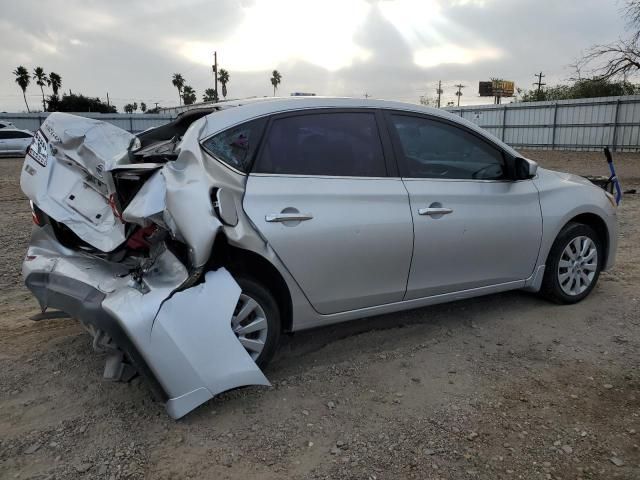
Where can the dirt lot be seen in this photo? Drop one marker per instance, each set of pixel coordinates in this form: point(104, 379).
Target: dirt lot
point(505, 386)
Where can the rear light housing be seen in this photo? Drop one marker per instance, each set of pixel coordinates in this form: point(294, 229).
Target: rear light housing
point(35, 215)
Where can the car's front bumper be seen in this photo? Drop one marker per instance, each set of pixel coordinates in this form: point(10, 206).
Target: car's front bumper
point(181, 340)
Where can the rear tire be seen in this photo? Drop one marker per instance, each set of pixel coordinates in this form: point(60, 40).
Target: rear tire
point(573, 265)
point(267, 307)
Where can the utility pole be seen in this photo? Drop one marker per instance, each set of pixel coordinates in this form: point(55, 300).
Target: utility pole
point(215, 72)
point(439, 91)
point(540, 76)
point(108, 104)
point(459, 92)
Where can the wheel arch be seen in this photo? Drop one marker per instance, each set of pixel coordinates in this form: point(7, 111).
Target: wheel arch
point(241, 261)
point(598, 224)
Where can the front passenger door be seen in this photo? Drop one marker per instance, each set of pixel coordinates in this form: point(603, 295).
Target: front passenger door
point(319, 193)
point(474, 226)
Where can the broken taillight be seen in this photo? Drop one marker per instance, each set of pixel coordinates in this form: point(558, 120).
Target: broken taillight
point(139, 239)
point(114, 207)
point(35, 216)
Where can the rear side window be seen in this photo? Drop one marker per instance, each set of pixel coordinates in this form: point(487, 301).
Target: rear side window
point(237, 145)
point(432, 149)
point(13, 134)
point(329, 144)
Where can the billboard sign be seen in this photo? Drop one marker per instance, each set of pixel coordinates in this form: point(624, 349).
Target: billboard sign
point(497, 88)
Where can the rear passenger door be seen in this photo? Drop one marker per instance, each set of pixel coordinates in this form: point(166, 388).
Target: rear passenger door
point(320, 193)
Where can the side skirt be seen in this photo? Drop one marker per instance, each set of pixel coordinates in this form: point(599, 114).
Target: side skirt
point(323, 320)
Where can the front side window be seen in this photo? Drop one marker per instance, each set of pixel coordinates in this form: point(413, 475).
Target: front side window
point(433, 149)
point(237, 145)
point(326, 144)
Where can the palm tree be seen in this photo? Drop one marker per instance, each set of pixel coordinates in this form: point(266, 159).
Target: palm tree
point(209, 95)
point(188, 95)
point(56, 82)
point(23, 79)
point(178, 82)
point(276, 78)
point(143, 107)
point(128, 108)
point(135, 106)
point(223, 76)
point(41, 80)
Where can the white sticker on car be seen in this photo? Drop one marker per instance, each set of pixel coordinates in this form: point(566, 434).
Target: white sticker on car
point(39, 149)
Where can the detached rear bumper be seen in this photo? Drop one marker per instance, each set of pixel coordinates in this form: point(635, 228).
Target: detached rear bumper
point(182, 341)
point(84, 302)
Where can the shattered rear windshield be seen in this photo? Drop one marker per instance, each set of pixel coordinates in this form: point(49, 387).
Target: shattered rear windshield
point(237, 145)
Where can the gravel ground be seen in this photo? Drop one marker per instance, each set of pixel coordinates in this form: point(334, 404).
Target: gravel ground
point(505, 386)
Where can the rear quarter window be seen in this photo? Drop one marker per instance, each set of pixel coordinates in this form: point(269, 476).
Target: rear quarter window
point(237, 145)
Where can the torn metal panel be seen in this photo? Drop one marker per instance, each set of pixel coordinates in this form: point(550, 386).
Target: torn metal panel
point(148, 202)
point(188, 200)
point(195, 324)
point(184, 337)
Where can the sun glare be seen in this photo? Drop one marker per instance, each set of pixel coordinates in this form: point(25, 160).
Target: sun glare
point(322, 34)
point(279, 31)
point(425, 28)
point(449, 53)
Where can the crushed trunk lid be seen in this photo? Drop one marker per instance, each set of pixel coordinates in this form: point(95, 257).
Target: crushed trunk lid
point(69, 174)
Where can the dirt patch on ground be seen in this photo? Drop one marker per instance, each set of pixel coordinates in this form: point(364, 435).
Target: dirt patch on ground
point(505, 386)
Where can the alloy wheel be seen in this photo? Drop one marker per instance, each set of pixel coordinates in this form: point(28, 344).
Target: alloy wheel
point(578, 265)
point(249, 323)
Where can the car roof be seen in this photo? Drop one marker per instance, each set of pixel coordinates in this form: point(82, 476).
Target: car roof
point(239, 111)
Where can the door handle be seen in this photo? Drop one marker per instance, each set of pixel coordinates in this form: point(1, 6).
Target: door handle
point(434, 211)
point(288, 217)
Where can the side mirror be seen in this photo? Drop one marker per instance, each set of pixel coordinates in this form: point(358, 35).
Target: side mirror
point(525, 168)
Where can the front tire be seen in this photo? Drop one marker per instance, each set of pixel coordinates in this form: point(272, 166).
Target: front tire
point(256, 320)
point(573, 265)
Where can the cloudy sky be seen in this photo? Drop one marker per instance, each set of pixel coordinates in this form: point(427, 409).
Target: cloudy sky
point(395, 49)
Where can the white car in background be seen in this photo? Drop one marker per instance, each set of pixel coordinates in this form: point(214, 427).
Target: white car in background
point(14, 142)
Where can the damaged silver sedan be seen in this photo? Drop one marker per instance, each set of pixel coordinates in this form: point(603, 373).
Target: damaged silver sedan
point(188, 249)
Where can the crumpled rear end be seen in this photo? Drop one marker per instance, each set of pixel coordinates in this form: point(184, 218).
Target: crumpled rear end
point(130, 264)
